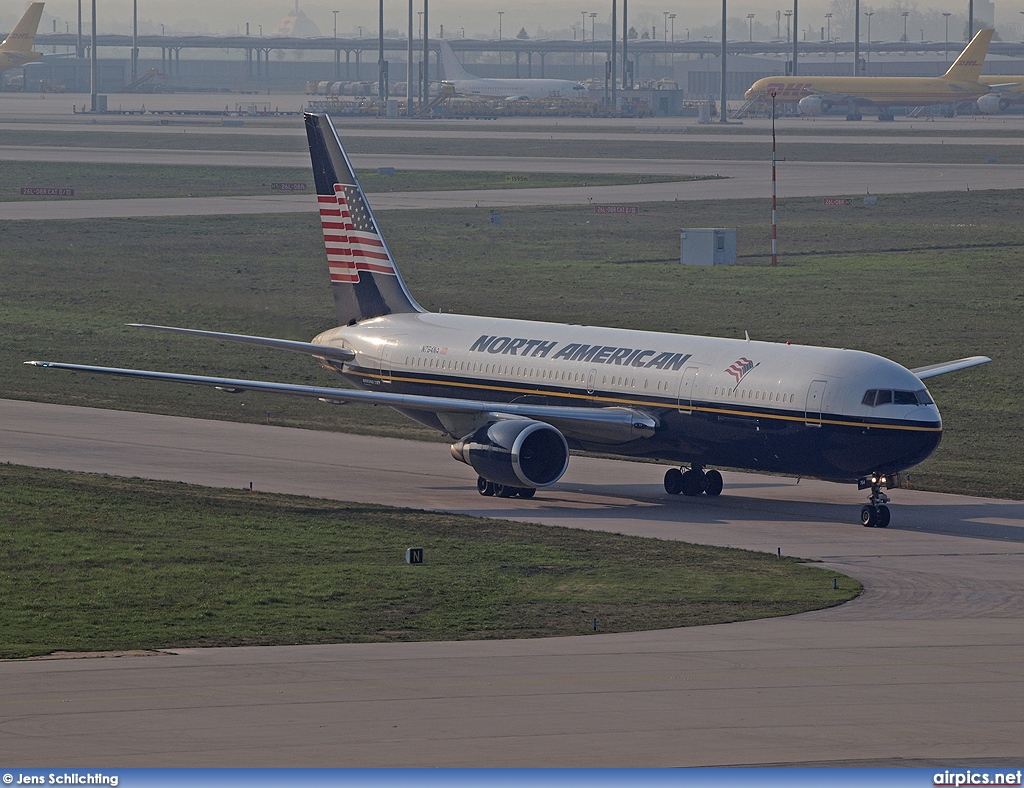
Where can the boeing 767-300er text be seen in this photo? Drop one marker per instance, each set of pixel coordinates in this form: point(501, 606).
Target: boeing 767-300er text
point(517, 395)
point(817, 95)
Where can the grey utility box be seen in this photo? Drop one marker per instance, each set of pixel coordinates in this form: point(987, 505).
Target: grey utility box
point(707, 246)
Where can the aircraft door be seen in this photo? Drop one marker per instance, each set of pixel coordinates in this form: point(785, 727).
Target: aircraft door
point(686, 386)
point(591, 381)
point(387, 348)
point(815, 396)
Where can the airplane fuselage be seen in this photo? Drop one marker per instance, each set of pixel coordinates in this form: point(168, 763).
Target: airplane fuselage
point(870, 91)
point(743, 404)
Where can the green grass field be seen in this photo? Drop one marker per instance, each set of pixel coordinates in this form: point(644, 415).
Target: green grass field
point(95, 563)
point(135, 181)
point(918, 279)
point(675, 146)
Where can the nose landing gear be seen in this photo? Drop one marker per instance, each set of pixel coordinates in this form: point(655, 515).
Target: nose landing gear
point(876, 514)
point(693, 482)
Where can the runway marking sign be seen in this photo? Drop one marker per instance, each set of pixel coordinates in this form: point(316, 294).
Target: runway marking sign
point(43, 191)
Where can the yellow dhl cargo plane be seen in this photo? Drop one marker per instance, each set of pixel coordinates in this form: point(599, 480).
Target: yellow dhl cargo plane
point(817, 95)
point(16, 50)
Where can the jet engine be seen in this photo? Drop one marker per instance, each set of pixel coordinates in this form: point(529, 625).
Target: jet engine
point(814, 105)
point(993, 103)
point(515, 452)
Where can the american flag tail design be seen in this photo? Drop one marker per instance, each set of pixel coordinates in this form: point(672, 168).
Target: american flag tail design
point(364, 278)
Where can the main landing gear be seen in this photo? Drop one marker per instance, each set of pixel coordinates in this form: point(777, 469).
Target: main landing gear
point(693, 482)
point(876, 513)
point(485, 487)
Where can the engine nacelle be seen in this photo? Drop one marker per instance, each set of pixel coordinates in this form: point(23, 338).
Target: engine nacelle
point(814, 105)
point(516, 453)
point(993, 103)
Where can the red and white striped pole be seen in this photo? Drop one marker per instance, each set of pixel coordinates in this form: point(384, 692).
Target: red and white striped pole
point(775, 256)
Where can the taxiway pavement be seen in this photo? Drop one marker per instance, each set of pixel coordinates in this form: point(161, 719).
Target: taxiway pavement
point(927, 665)
point(739, 179)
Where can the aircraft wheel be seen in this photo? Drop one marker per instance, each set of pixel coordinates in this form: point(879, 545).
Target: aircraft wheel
point(868, 517)
point(854, 116)
point(527, 492)
point(713, 484)
point(483, 486)
point(673, 481)
point(883, 517)
point(693, 482)
point(505, 491)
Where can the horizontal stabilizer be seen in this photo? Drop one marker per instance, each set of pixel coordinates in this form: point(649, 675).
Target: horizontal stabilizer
point(308, 348)
point(949, 366)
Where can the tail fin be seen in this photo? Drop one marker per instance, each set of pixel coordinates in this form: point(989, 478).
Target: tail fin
point(967, 67)
point(364, 277)
point(451, 68)
point(24, 33)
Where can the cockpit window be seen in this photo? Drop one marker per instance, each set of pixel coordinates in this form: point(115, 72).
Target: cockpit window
point(875, 397)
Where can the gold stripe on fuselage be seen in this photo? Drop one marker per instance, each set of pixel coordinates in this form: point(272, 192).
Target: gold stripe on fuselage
point(668, 402)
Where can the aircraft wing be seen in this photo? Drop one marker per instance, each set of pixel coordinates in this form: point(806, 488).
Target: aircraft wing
point(632, 422)
point(307, 348)
point(949, 366)
point(1005, 86)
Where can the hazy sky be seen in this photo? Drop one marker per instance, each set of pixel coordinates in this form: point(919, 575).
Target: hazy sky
point(478, 17)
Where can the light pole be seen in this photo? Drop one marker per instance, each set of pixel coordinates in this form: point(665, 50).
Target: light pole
point(947, 14)
point(135, 39)
point(500, 13)
point(593, 17)
point(869, 14)
point(665, 30)
point(750, 19)
point(905, 15)
point(788, 15)
point(335, 23)
point(583, 35)
point(828, 29)
point(672, 23)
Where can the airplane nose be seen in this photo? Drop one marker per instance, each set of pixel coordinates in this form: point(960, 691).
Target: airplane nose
point(749, 94)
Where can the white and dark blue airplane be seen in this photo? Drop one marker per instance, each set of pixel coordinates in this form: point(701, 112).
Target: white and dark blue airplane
point(517, 395)
point(463, 83)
